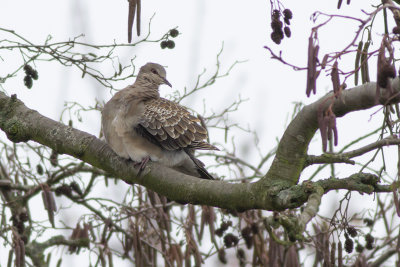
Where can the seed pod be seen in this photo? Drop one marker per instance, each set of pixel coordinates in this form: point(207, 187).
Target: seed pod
point(230, 240)
point(359, 248)
point(178, 254)
point(241, 255)
point(138, 16)
point(163, 44)
point(35, 75)
point(222, 256)
point(325, 133)
point(49, 203)
point(46, 201)
point(75, 232)
point(10, 257)
point(327, 254)
point(224, 226)
point(385, 71)
point(84, 233)
point(22, 246)
point(287, 13)
point(174, 33)
point(352, 231)
point(75, 187)
point(357, 62)
point(170, 44)
point(277, 36)
point(335, 79)
point(74, 236)
point(333, 254)
point(63, 190)
point(246, 232)
point(53, 204)
point(276, 25)
point(349, 245)
point(247, 236)
point(17, 252)
point(54, 158)
point(324, 61)
point(369, 239)
point(276, 14)
point(339, 4)
point(29, 71)
point(28, 81)
point(254, 228)
point(368, 222)
point(333, 129)
point(369, 246)
point(364, 63)
point(127, 244)
point(287, 31)
point(23, 216)
point(311, 66)
point(219, 232)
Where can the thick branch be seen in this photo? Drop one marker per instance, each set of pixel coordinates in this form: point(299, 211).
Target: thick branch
point(291, 156)
point(22, 124)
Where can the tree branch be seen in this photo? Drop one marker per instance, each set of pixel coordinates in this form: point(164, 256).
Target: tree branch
point(291, 156)
point(345, 157)
point(22, 124)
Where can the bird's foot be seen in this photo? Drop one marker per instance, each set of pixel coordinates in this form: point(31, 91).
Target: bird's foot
point(142, 164)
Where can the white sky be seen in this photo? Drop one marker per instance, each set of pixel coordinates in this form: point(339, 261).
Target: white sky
point(243, 27)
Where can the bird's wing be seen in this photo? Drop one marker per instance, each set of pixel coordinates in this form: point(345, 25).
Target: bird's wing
point(171, 126)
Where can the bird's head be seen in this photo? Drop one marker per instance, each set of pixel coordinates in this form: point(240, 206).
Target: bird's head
point(154, 73)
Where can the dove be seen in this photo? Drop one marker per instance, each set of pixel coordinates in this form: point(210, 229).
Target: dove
point(140, 125)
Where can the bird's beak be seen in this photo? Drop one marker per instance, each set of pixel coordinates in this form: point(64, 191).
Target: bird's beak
point(167, 82)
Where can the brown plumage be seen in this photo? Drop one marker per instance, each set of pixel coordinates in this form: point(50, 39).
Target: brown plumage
point(140, 125)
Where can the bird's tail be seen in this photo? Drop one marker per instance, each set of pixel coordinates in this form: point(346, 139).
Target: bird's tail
point(204, 174)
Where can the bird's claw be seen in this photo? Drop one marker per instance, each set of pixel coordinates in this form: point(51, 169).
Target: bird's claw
point(142, 164)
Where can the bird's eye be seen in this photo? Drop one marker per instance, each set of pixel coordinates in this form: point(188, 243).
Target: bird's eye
point(154, 71)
